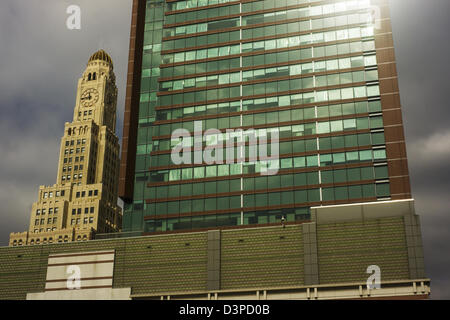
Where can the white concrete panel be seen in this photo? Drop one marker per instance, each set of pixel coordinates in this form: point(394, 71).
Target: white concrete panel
point(86, 271)
point(84, 294)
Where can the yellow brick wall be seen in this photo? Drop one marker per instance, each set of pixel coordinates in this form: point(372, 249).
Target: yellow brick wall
point(345, 250)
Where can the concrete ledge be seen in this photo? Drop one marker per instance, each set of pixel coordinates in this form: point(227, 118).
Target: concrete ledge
point(407, 289)
point(362, 211)
point(83, 294)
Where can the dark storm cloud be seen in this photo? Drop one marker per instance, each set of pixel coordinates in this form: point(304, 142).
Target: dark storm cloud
point(40, 62)
point(420, 30)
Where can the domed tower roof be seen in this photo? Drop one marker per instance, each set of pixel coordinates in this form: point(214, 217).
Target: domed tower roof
point(101, 55)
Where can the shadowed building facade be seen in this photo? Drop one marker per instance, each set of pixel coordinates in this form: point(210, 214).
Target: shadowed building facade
point(84, 199)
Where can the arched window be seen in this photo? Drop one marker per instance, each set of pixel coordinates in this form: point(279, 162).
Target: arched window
point(89, 77)
point(94, 77)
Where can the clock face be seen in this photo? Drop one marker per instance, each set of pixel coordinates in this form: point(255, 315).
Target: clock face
point(89, 97)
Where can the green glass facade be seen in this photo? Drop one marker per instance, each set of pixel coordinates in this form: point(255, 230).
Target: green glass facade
point(307, 70)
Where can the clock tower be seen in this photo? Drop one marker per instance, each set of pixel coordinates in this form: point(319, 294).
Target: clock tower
point(83, 201)
point(97, 92)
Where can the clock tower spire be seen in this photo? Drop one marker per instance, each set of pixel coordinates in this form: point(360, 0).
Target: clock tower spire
point(83, 201)
point(97, 92)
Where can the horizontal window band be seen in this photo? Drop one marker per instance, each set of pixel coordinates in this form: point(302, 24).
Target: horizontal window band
point(262, 66)
point(279, 93)
point(259, 52)
point(286, 35)
point(260, 81)
point(281, 140)
point(199, 34)
point(250, 209)
point(281, 157)
point(270, 95)
point(252, 13)
point(255, 175)
point(253, 112)
point(260, 25)
point(261, 191)
point(230, 3)
point(274, 79)
point(276, 124)
point(212, 6)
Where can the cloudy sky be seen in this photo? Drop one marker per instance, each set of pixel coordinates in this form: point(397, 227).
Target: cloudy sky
point(41, 61)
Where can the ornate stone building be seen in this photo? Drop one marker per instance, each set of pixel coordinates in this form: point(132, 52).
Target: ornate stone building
point(84, 199)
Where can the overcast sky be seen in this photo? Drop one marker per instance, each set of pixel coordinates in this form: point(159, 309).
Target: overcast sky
point(41, 61)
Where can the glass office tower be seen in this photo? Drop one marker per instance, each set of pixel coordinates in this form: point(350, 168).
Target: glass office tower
point(319, 74)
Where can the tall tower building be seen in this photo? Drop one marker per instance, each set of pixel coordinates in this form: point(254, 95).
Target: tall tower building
point(321, 74)
point(84, 199)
